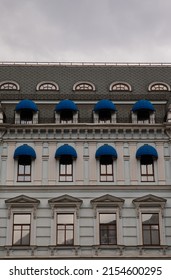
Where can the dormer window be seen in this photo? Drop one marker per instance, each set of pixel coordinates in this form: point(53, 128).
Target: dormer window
point(143, 112)
point(120, 86)
point(46, 85)
point(105, 112)
point(66, 111)
point(9, 85)
point(26, 112)
point(159, 87)
point(84, 86)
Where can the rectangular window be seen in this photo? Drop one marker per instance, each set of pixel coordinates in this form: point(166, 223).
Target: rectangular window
point(65, 229)
point(106, 172)
point(147, 172)
point(21, 229)
point(107, 229)
point(150, 229)
point(24, 169)
point(65, 172)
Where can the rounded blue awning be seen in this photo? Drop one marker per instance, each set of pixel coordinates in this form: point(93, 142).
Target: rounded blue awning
point(106, 150)
point(66, 105)
point(25, 150)
point(146, 150)
point(26, 104)
point(143, 105)
point(65, 150)
point(104, 104)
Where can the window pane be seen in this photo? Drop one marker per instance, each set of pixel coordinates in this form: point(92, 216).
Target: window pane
point(21, 218)
point(65, 218)
point(108, 218)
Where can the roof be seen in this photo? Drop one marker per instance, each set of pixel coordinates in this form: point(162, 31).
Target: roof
point(104, 104)
point(24, 150)
point(143, 105)
point(26, 104)
point(65, 150)
point(146, 150)
point(66, 105)
point(106, 150)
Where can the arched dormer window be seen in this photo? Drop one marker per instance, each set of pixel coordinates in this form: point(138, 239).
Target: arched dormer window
point(159, 87)
point(47, 85)
point(143, 111)
point(104, 112)
point(120, 86)
point(66, 111)
point(84, 86)
point(9, 85)
point(26, 112)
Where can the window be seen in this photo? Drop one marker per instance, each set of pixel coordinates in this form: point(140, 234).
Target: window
point(66, 168)
point(84, 86)
point(108, 214)
point(21, 229)
point(150, 218)
point(150, 229)
point(26, 117)
point(47, 86)
point(65, 229)
point(9, 86)
point(66, 116)
point(143, 116)
point(120, 86)
point(147, 169)
point(65, 215)
point(24, 169)
point(159, 87)
point(107, 229)
point(106, 169)
point(21, 221)
point(104, 116)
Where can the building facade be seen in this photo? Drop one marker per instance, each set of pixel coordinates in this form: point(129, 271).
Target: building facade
point(85, 168)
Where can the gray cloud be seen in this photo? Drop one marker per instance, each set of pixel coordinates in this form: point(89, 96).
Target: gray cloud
point(85, 30)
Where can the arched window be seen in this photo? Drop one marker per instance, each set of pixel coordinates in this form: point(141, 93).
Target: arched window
point(46, 85)
point(84, 86)
point(9, 85)
point(120, 86)
point(159, 87)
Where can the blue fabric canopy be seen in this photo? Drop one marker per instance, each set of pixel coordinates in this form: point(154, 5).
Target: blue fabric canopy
point(104, 104)
point(143, 105)
point(106, 150)
point(66, 105)
point(26, 104)
point(65, 150)
point(24, 150)
point(146, 150)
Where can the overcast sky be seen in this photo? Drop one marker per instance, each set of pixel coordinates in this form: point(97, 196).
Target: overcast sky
point(85, 30)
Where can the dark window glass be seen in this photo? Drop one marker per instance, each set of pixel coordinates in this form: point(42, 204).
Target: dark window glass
point(26, 117)
point(24, 169)
point(147, 169)
point(21, 229)
point(65, 229)
point(106, 169)
point(104, 116)
point(66, 169)
point(107, 229)
point(143, 116)
point(66, 116)
point(150, 229)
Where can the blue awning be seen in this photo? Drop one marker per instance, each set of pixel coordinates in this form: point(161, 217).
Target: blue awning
point(146, 150)
point(24, 150)
point(106, 150)
point(143, 105)
point(66, 105)
point(26, 104)
point(65, 150)
point(104, 104)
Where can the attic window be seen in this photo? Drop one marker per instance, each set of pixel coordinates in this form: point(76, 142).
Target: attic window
point(47, 86)
point(84, 86)
point(120, 86)
point(9, 86)
point(159, 87)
